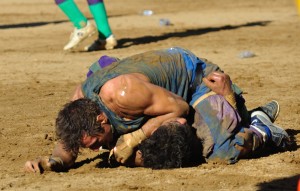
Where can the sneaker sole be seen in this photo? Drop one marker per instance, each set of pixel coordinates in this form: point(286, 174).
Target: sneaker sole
point(277, 113)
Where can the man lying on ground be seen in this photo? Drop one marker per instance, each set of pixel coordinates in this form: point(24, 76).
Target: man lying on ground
point(175, 144)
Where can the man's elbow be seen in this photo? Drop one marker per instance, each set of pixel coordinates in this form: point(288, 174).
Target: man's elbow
point(77, 94)
point(183, 111)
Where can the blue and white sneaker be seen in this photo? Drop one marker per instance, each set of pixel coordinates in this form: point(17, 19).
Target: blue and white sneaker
point(270, 132)
point(271, 109)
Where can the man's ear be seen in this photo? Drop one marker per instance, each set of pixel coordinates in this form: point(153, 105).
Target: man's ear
point(181, 120)
point(139, 152)
point(138, 160)
point(84, 135)
point(101, 118)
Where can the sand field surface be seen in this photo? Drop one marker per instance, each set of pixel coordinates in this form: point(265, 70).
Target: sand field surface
point(37, 78)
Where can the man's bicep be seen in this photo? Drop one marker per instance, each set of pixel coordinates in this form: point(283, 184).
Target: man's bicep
point(165, 106)
point(137, 96)
point(164, 102)
point(140, 97)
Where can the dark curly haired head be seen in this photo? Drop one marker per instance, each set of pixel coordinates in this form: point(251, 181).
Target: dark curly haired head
point(76, 118)
point(170, 146)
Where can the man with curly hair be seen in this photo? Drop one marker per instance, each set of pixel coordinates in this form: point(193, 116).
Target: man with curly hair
point(176, 144)
point(172, 145)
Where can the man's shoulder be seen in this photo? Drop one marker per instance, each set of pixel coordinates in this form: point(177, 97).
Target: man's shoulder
point(112, 87)
point(109, 87)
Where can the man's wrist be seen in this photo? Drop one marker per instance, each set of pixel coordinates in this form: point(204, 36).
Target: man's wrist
point(230, 98)
point(56, 164)
point(136, 138)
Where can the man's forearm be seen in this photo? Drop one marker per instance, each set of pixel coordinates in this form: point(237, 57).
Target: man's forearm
point(152, 124)
point(61, 158)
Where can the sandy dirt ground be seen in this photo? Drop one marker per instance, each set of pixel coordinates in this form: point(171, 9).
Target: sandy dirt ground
point(37, 78)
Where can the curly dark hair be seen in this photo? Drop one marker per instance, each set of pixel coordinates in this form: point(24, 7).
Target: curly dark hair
point(170, 146)
point(74, 119)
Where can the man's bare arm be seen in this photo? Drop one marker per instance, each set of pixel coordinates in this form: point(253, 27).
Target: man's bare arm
point(77, 93)
point(131, 97)
point(60, 160)
point(165, 106)
point(68, 158)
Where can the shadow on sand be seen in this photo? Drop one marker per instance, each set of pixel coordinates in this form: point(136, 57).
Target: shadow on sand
point(127, 42)
point(286, 184)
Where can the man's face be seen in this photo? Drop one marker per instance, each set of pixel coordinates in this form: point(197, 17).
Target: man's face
point(94, 142)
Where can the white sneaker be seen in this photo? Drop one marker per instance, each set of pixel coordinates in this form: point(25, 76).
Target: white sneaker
point(78, 35)
point(270, 132)
point(107, 44)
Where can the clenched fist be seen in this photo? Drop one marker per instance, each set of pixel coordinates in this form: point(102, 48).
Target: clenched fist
point(218, 82)
point(126, 144)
